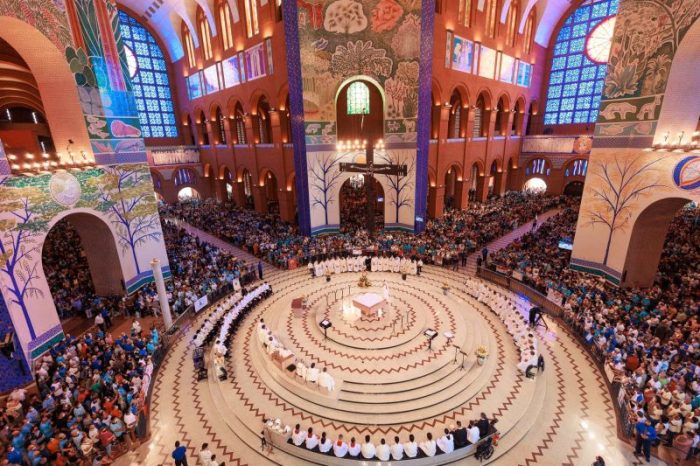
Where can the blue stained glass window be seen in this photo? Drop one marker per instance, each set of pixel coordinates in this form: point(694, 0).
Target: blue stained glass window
point(577, 103)
point(150, 80)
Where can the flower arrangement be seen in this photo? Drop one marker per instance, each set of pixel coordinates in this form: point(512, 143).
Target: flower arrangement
point(481, 352)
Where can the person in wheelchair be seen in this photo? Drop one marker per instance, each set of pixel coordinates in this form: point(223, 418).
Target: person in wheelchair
point(485, 449)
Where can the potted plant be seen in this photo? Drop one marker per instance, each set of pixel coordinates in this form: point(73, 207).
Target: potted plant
point(481, 354)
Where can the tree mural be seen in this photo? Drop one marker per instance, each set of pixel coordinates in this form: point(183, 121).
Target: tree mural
point(400, 187)
point(324, 175)
point(125, 194)
point(615, 187)
point(25, 217)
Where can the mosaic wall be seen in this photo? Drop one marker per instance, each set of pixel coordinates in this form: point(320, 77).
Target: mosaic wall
point(340, 39)
point(121, 197)
point(625, 176)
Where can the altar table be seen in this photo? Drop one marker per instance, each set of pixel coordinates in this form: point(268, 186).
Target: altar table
point(368, 303)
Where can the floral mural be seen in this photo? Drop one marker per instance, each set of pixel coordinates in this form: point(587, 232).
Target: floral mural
point(376, 38)
point(48, 17)
point(647, 36)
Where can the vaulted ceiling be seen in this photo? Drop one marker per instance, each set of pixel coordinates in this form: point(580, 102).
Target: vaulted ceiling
point(17, 84)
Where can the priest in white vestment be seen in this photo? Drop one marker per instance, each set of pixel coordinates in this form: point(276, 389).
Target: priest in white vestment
point(375, 264)
point(396, 450)
point(311, 441)
point(429, 447)
point(354, 448)
point(298, 436)
point(326, 380)
point(324, 445)
point(368, 449)
point(410, 448)
point(446, 443)
point(312, 373)
point(383, 453)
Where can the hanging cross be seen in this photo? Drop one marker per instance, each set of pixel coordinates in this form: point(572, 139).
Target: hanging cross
point(369, 169)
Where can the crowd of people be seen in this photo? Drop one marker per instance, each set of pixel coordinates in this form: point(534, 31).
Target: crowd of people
point(446, 241)
point(649, 339)
point(91, 391)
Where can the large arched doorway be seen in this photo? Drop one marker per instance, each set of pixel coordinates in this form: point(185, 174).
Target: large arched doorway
point(647, 241)
point(575, 189)
point(360, 111)
point(453, 191)
point(353, 204)
point(247, 181)
point(81, 265)
point(473, 181)
point(270, 189)
point(188, 193)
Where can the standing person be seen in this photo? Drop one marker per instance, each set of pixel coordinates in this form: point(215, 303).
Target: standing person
point(484, 254)
point(179, 455)
point(643, 441)
point(534, 223)
point(205, 455)
point(260, 270)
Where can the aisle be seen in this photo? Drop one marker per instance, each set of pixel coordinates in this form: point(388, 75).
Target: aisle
point(505, 240)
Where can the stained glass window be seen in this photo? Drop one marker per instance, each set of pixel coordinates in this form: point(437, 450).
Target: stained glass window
point(358, 99)
point(576, 81)
point(149, 78)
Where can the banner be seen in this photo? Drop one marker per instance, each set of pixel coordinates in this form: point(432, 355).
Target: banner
point(554, 296)
point(201, 303)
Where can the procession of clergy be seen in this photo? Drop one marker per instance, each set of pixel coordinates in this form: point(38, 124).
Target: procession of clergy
point(359, 264)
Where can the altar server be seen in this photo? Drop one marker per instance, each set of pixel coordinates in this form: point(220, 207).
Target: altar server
point(446, 443)
point(429, 447)
point(301, 369)
point(318, 269)
point(383, 451)
point(397, 450)
point(324, 445)
point(411, 447)
point(326, 380)
point(311, 441)
point(414, 267)
point(298, 436)
point(340, 448)
point(368, 449)
point(375, 264)
point(354, 448)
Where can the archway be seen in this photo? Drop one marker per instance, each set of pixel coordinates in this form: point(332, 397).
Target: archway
point(510, 174)
point(575, 188)
point(646, 241)
point(188, 193)
point(535, 185)
point(229, 184)
point(270, 189)
point(353, 204)
point(453, 188)
point(247, 180)
point(81, 263)
point(495, 178)
point(360, 111)
point(473, 181)
point(54, 79)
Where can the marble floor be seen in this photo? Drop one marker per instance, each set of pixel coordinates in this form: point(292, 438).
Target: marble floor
point(388, 382)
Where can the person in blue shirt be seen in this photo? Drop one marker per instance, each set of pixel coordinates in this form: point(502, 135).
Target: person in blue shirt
point(646, 435)
point(179, 455)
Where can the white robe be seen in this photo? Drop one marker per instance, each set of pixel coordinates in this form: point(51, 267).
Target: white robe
point(317, 269)
point(340, 450)
point(383, 452)
point(326, 381)
point(311, 442)
point(397, 451)
point(368, 450)
point(325, 447)
point(429, 447)
point(312, 375)
point(298, 438)
point(354, 450)
point(375, 264)
point(411, 449)
point(446, 443)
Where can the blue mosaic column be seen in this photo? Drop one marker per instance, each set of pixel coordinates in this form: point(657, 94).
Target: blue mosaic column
point(424, 108)
point(13, 366)
point(296, 112)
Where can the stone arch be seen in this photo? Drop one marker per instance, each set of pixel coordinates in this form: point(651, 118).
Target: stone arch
point(502, 114)
point(482, 114)
point(106, 268)
point(458, 117)
point(269, 186)
point(680, 110)
point(55, 82)
point(348, 125)
point(518, 117)
point(646, 241)
point(255, 97)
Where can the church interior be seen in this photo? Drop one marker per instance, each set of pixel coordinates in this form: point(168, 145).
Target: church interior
point(349, 232)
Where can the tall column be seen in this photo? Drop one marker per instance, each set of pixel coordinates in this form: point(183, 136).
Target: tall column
point(162, 295)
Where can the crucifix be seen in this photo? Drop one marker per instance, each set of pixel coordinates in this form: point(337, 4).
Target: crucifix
point(369, 169)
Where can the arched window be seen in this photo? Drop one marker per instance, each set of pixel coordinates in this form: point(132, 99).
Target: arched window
point(577, 168)
point(220, 127)
point(480, 130)
point(264, 125)
point(204, 34)
point(537, 167)
point(358, 99)
point(189, 46)
point(529, 24)
point(251, 17)
point(184, 176)
point(491, 17)
point(225, 27)
point(578, 73)
point(464, 16)
point(149, 77)
point(455, 119)
point(239, 120)
point(203, 129)
point(501, 117)
point(512, 23)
